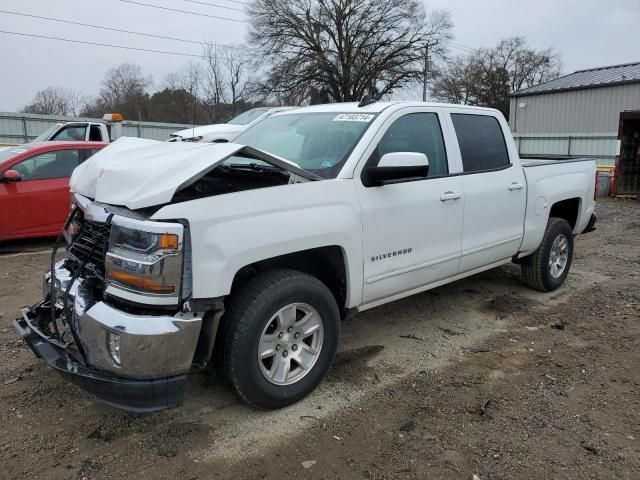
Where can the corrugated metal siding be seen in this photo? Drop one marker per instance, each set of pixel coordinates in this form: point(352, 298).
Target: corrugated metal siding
point(613, 74)
point(13, 126)
point(592, 110)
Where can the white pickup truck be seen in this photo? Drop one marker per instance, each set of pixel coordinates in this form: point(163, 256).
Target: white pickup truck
point(248, 255)
point(82, 131)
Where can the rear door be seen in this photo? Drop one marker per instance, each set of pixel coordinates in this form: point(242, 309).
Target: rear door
point(494, 190)
point(39, 203)
point(412, 230)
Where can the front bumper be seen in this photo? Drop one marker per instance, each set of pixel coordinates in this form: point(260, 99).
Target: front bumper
point(128, 394)
point(151, 346)
point(156, 349)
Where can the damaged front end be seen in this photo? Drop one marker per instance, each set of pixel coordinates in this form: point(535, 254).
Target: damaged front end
point(111, 319)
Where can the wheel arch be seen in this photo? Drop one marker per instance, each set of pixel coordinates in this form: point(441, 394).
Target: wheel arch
point(567, 209)
point(328, 264)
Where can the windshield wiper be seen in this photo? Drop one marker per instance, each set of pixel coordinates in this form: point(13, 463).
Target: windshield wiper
point(255, 166)
point(268, 168)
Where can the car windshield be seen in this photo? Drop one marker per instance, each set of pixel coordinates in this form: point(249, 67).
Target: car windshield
point(43, 137)
point(248, 116)
point(317, 142)
point(9, 153)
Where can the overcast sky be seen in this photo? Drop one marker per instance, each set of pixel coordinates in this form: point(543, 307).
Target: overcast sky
point(586, 33)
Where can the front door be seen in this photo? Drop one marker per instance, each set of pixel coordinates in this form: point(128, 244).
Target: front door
point(38, 204)
point(411, 230)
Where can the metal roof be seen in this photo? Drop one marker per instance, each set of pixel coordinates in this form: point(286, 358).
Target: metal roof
point(591, 78)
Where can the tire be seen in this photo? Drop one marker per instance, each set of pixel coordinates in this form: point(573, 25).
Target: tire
point(537, 269)
point(251, 323)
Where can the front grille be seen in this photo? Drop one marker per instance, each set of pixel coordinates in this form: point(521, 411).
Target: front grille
point(90, 245)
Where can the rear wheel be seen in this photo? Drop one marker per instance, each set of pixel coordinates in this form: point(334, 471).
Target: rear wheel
point(547, 268)
point(281, 335)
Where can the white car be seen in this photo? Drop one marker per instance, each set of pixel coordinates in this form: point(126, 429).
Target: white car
point(225, 132)
point(250, 254)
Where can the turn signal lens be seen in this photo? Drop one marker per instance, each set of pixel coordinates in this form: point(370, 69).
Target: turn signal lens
point(168, 241)
point(144, 284)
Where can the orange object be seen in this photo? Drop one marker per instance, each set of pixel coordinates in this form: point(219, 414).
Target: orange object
point(134, 281)
point(168, 241)
point(112, 117)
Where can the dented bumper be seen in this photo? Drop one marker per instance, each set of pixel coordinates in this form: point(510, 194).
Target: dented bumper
point(124, 393)
point(134, 361)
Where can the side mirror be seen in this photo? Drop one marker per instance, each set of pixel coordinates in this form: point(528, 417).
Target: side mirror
point(12, 176)
point(398, 167)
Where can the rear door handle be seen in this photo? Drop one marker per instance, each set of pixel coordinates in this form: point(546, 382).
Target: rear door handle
point(450, 196)
point(516, 186)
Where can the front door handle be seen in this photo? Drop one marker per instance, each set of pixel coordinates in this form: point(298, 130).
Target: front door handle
point(516, 186)
point(450, 196)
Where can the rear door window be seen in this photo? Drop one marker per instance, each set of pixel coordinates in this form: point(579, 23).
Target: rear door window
point(481, 141)
point(87, 153)
point(95, 133)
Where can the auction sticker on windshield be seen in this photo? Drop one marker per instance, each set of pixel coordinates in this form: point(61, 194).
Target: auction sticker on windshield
point(353, 117)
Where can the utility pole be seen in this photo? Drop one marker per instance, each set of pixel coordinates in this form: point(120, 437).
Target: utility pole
point(425, 72)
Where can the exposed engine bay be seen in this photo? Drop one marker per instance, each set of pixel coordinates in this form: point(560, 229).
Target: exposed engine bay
point(230, 178)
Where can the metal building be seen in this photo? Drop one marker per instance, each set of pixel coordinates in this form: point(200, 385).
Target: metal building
point(578, 114)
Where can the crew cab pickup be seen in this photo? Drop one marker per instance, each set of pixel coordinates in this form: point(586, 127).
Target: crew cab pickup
point(248, 255)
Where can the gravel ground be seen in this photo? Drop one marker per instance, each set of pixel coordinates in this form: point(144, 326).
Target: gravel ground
point(553, 391)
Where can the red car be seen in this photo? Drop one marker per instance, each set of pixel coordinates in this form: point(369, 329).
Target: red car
point(34, 186)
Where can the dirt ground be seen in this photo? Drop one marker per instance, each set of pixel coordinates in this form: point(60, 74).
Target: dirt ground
point(483, 377)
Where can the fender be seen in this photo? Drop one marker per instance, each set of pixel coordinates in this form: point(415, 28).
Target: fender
point(229, 232)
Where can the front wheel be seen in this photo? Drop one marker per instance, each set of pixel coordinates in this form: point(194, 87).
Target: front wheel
point(547, 268)
point(281, 335)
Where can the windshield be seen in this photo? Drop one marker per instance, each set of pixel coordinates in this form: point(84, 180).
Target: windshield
point(248, 116)
point(43, 137)
point(6, 154)
point(317, 142)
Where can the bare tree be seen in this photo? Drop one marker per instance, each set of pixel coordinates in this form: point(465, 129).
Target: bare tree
point(347, 48)
point(56, 101)
point(123, 91)
point(235, 63)
point(488, 76)
point(189, 78)
point(212, 82)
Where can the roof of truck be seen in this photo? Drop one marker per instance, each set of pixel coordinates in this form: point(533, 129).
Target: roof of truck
point(376, 107)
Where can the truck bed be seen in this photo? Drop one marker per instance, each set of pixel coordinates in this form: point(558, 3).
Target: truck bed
point(550, 180)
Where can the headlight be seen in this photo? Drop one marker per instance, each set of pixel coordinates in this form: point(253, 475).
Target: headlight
point(193, 139)
point(145, 257)
point(142, 242)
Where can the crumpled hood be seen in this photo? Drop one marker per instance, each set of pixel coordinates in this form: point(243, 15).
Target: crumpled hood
point(208, 132)
point(138, 173)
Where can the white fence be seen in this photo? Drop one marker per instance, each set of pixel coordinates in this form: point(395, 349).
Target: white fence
point(601, 146)
point(24, 127)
